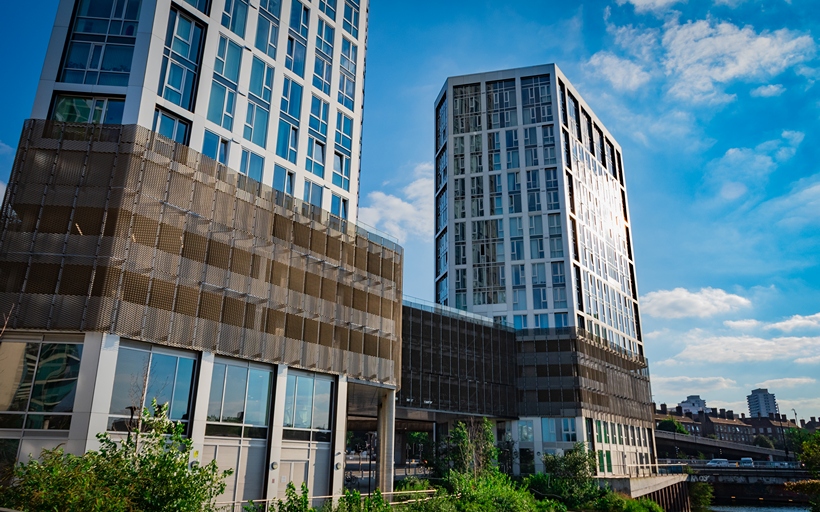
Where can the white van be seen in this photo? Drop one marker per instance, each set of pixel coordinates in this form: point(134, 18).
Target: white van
point(747, 462)
point(718, 463)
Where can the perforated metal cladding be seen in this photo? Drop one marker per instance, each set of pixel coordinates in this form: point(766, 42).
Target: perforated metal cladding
point(453, 364)
point(567, 372)
point(117, 229)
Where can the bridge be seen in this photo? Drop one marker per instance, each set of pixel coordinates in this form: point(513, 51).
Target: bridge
point(670, 445)
point(760, 485)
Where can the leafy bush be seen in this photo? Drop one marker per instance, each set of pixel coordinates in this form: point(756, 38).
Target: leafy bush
point(810, 488)
point(492, 491)
point(670, 424)
point(700, 496)
point(615, 502)
point(568, 478)
point(148, 471)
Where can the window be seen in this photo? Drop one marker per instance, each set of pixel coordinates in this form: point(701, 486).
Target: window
point(235, 15)
point(324, 38)
point(556, 247)
point(516, 227)
point(318, 115)
point(256, 124)
point(558, 272)
point(552, 200)
point(295, 58)
point(347, 90)
point(40, 381)
point(321, 74)
point(519, 277)
point(274, 7)
point(267, 34)
point(620, 434)
point(539, 298)
point(338, 206)
point(541, 321)
point(201, 5)
point(308, 406)
point(113, 30)
point(283, 180)
point(519, 300)
point(539, 273)
point(534, 201)
point(536, 248)
point(79, 109)
point(549, 155)
point(516, 250)
point(548, 135)
point(299, 18)
point(561, 320)
point(520, 321)
point(341, 170)
point(313, 194)
point(315, 160)
point(180, 63)
point(221, 105)
point(525, 434)
point(349, 56)
point(287, 141)
point(144, 373)
point(328, 7)
point(351, 19)
point(536, 225)
point(228, 59)
point(477, 207)
point(239, 403)
point(568, 431)
point(598, 431)
point(252, 165)
point(171, 126)
point(291, 99)
point(261, 80)
point(554, 223)
point(215, 147)
point(559, 297)
point(344, 131)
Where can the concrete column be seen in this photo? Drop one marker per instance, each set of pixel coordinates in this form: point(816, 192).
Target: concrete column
point(538, 445)
point(103, 387)
point(79, 433)
point(337, 480)
point(275, 453)
point(203, 395)
point(386, 425)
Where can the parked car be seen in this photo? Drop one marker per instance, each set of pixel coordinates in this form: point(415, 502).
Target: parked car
point(718, 463)
point(747, 462)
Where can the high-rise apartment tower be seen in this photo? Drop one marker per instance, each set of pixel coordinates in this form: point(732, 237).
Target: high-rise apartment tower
point(532, 229)
point(762, 403)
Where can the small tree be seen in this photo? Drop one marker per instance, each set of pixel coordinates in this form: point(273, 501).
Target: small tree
point(468, 448)
point(810, 456)
point(569, 478)
point(701, 495)
point(763, 442)
point(670, 424)
point(150, 470)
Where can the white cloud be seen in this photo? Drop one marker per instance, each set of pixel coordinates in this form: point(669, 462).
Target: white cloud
point(796, 209)
point(623, 74)
point(692, 385)
point(681, 303)
point(702, 56)
point(797, 322)
point(787, 382)
point(701, 346)
point(740, 170)
point(5, 149)
point(767, 91)
point(742, 325)
point(410, 215)
point(649, 5)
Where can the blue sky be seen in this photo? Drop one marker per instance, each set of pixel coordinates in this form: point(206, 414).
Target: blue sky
point(715, 105)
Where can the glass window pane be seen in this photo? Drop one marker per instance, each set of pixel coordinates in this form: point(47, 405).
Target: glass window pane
point(290, 392)
point(161, 379)
point(259, 384)
point(55, 383)
point(117, 58)
point(113, 113)
point(321, 404)
point(182, 389)
point(17, 359)
point(129, 380)
point(233, 409)
point(304, 402)
point(217, 385)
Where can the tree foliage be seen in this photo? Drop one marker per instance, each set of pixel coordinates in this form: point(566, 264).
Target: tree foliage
point(569, 478)
point(763, 442)
point(469, 448)
point(701, 495)
point(150, 470)
point(670, 424)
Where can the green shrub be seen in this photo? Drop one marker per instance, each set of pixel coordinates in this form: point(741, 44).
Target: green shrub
point(615, 502)
point(567, 478)
point(148, 471)
point(700, 496)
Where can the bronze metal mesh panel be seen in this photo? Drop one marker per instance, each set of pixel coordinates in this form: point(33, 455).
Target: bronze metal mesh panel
point(116, 229)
